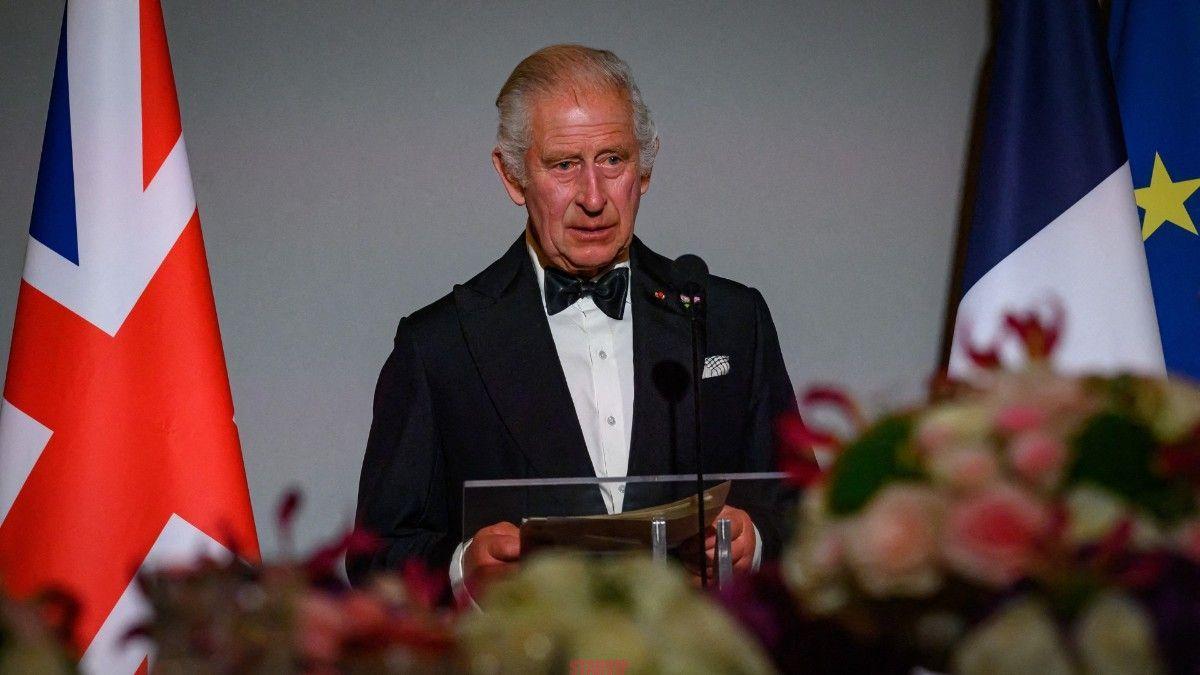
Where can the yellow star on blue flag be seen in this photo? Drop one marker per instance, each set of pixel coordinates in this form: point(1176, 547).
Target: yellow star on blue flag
point(1164, 200)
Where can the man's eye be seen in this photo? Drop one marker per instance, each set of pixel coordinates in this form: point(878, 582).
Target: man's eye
point(613, 160)
point(563, 165)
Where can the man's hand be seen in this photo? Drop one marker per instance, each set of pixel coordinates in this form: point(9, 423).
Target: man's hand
point(741, 549)
point(492, 553)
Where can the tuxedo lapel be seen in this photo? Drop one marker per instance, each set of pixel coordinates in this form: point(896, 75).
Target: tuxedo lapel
point(661, 334)
point(505, 326)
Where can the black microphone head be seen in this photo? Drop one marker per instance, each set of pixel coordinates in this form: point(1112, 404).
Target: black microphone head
point(689, 273)
point(671, 379)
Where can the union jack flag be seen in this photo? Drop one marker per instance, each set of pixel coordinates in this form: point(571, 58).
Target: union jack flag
point(118, 448)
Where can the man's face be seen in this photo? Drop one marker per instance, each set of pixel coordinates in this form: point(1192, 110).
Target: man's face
point(583, 184)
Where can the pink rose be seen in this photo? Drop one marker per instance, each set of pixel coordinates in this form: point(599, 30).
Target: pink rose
point(319, 628)
point(1018, 417)
point(1038, 458)
point(830, 550)
point(992, 537)
point(935, 436)
point(892, 546)
point(966, 468)
point(363, 614)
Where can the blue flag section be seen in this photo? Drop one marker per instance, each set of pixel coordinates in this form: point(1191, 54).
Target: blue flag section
point(1052, 131)
point(1054, 224)
point(53, 220)
point(1155, 50)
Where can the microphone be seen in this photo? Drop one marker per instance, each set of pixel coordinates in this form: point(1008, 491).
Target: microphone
point(689, 276)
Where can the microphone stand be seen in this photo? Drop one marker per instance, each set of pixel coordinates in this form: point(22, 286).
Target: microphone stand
point(689, 275)
point(697, 371)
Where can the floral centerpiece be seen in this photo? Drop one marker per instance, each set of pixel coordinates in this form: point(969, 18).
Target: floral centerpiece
point(568, 613)
point(297, 615)
point(1024, 521)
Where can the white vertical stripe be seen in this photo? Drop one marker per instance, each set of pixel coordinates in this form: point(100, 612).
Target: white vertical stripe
point(1091, 258)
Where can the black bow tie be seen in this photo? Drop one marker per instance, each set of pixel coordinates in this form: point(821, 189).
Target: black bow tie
point(608, 292)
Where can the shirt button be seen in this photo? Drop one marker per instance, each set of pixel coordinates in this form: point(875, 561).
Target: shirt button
point(611, 420)
point(603, 354)
point(621, 489)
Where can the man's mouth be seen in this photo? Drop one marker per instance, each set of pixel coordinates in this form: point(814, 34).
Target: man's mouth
point(592, 233)
point(592, 229)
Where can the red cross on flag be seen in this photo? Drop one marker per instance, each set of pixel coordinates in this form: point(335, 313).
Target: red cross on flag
point(118, 448)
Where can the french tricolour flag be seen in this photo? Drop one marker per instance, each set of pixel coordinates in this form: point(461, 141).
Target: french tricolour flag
point(118, 448)
point(1055, 219)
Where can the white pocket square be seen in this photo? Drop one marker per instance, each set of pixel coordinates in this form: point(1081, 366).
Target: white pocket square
point(715, 366)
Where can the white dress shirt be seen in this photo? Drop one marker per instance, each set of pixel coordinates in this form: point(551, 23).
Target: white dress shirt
point(596, 353)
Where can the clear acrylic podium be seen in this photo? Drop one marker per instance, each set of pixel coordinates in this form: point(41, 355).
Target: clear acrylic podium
point(651, 516)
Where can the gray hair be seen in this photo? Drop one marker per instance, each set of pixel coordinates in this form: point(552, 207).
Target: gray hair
point(547, 70)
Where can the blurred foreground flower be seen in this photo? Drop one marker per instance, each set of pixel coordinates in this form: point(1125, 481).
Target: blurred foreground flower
point(296, 616)
point(566, 613)
point(33, 634)
point(1021, 521)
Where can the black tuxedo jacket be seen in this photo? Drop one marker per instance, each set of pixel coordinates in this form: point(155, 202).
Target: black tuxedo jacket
point(473, 389)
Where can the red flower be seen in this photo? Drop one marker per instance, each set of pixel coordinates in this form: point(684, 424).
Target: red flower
point(794, 453)
point(1038, 336)
point(994, 537)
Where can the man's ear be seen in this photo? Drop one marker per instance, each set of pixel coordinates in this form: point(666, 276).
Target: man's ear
point(644, 179)
point(514, 188)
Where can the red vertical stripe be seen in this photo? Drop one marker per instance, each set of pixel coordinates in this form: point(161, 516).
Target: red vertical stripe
point(160, 107)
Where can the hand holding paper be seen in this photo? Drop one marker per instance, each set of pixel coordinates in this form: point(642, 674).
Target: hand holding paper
point(741, 549)
point(493, 552)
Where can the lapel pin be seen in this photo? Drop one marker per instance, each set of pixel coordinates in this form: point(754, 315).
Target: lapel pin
point(659, 295)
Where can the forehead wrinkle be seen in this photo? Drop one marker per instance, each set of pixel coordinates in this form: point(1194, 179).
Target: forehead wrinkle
point(571, 142)
point(573, 119)
point(586, 135)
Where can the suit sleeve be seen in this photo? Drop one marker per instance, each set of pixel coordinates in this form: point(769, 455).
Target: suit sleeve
point(401, 491)
point(772, 396)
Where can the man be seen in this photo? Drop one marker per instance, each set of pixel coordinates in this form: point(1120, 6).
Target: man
point(543, 365)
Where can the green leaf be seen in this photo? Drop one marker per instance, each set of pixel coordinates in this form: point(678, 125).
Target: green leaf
point(1116, 452)
point(867, 464)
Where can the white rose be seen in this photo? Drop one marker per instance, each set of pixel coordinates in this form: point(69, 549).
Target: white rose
point(1114, 636)
point(1020, 638)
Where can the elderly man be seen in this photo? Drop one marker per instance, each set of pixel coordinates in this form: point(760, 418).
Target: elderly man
point(542, 365)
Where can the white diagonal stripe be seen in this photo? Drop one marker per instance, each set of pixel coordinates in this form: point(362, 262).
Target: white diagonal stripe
point(22, 440)
point(179, 544)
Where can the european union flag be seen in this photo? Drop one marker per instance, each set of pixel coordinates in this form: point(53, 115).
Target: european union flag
point(1154, 46)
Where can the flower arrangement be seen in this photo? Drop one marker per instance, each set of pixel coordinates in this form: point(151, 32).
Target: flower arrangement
point(33, 634)
point(297, 615)
point(1023, 521)
point(567, 613)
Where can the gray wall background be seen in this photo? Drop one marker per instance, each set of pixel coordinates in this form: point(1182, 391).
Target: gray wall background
point(339, 150)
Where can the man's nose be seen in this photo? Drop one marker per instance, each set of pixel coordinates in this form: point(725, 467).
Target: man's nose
point(589, 196)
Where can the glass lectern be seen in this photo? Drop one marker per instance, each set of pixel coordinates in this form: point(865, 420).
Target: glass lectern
point(613, 515)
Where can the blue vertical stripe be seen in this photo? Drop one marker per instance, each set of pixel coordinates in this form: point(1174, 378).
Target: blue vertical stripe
point(53, 220)
point(1051, 131)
